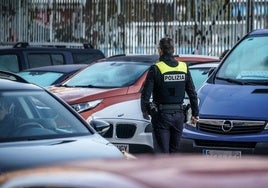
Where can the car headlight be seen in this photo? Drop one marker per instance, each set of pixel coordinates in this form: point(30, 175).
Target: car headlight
point(80, 107)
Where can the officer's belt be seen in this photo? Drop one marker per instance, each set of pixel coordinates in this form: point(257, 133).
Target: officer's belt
point(170, 107)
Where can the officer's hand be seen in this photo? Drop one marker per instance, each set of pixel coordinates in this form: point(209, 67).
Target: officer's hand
point(194, 119)
point(146, 115)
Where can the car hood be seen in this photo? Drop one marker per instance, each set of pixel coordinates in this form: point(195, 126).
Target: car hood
point(233, 102)
point(73, 94)
point(20, 155)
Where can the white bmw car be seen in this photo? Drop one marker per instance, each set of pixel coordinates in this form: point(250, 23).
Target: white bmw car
point(110, 90)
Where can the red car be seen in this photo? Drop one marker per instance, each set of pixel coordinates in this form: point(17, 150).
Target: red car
point(110, 90)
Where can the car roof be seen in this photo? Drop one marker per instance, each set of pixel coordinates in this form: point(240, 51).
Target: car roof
point(188, 58)
point(204, 65)
point(58, 68)
point(88, 50)
point(259, 32)
point(51, 46)
point(197, 58)
point(12, 85)
point(132, 57)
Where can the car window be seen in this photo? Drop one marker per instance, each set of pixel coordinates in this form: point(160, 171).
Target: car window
point(40, 78)
point(44, 59)
point(199, 75)
point(108, 74)
point(248, 61)
point(57, 59)
point(33, 114)
point(9, 62)
point(86, 58)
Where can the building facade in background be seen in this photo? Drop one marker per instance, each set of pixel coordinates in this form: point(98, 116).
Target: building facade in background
point(133, 26)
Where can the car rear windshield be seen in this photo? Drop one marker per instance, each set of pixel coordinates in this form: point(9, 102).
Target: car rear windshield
point(40, 78)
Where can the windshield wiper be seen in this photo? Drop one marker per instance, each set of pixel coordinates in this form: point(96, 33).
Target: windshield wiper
point(88, 86)
point(230, 80)
point(93, 86)
point(85, 86)
point(256, 83)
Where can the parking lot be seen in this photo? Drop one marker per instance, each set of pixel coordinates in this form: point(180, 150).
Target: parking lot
point(71, 80)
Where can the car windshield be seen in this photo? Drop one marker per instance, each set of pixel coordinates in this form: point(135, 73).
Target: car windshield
point(35, 115)
point(108, 75)
point(40, 78)
point(248, 63)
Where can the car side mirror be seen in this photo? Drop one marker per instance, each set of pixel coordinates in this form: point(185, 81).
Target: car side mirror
point(100, 126)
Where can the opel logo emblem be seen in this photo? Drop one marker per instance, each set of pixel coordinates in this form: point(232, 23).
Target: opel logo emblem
point(227, 126)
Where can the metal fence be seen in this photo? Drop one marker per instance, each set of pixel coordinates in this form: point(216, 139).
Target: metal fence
point(133, 26)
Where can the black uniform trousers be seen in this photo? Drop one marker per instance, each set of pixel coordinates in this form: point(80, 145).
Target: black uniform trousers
point(167, 130)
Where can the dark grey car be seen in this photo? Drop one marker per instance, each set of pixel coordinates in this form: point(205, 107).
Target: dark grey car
point(24, 55)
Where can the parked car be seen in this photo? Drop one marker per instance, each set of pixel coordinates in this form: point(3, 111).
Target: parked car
point(50, 75)
point(199, 73)
point(234, 103)
point(192, 59)
point(110, 90)
point(38, 128)
point(169, 171)
point(24, 55)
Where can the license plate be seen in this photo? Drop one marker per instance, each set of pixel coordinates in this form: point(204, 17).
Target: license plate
point(222, 153)
point(122, 147)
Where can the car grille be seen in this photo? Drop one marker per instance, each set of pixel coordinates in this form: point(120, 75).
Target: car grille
point(230, 126)
point(122, 130)
point(125, 130)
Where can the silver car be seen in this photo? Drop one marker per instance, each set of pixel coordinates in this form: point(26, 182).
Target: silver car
point(37, 128)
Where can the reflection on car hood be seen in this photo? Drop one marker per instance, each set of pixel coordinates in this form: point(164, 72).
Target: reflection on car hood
point(26, 154)
point(232, 102)
point(71, 94)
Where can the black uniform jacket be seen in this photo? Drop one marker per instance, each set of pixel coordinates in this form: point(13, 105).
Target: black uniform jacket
point(153, 78)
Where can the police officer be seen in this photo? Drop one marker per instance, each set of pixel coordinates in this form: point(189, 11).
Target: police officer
point(167, 81)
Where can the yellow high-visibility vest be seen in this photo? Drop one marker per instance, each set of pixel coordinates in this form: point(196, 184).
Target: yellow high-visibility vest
point(164, 68)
